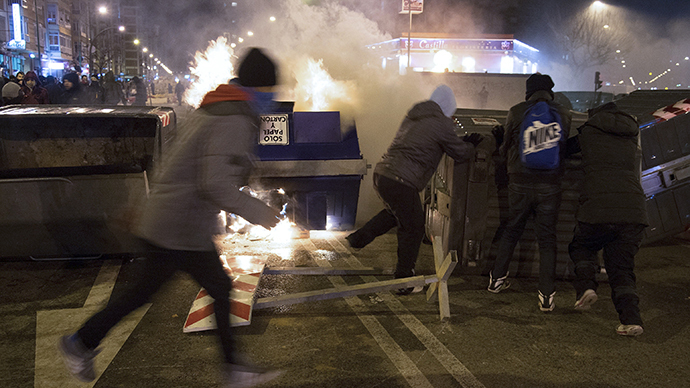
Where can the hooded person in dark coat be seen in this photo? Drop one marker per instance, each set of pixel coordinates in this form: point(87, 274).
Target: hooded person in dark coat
point(612, 214)
point(34, 93)
point(72, 93)
point(54, 89)
point(426, 133)
point(112, 93)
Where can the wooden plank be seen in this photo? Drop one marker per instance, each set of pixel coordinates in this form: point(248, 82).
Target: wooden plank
point(342, 292)
point(335, 271)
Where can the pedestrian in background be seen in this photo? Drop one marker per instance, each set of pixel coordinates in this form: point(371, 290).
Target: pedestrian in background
point(94, 91)
point(112, 90)
point(426, 133)
point(612, 214)
point(72, 93)
point(54, 89)
point(12, 94)
point(201, 176)
point(140, 96)
point(34, 93)
point(179, 91)
point(531, 192)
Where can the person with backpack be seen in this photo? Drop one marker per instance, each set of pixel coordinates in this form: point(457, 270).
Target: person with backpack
point(533, 146)
point(612, 214)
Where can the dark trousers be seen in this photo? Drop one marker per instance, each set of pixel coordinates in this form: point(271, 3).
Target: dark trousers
point(542, 200)
point(620, 243)
point(159, 266)
point(404, 210)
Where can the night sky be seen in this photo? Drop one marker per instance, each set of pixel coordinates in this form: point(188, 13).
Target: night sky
point(187, 26)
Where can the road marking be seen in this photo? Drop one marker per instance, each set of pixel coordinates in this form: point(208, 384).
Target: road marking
point(459, 372)
point(402, 362)
point(52, 324)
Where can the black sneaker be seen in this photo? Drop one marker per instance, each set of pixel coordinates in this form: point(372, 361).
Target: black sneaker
point(408, 290)
point(354, 243)
point(546, 302)
point(497, 285)
point(78, 359)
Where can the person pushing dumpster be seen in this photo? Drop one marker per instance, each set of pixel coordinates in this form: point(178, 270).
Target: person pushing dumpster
point(404, 170)
point(201, 176)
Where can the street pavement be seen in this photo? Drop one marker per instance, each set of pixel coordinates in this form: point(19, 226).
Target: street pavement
point(370, 340)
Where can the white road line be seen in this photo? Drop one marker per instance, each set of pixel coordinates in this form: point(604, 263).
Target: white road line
point(461, 374)
point(402, 362)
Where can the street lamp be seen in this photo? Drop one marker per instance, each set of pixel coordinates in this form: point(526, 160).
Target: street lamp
point(102, 10)
point(92, 43)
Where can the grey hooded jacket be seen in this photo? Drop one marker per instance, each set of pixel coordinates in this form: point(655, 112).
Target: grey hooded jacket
point(202, 175)
point(424, 135)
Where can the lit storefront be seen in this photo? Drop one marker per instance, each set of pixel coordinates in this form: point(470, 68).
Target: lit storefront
point(439, 53)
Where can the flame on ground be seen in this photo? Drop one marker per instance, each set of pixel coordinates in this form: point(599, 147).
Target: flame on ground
point(210, 69)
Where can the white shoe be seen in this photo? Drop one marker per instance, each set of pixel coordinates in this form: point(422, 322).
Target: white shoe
point(629, 330)
point(586, 300)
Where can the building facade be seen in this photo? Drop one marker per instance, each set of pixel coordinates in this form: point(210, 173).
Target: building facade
point(52, 37)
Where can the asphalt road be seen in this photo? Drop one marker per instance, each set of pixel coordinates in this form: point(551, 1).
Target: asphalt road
point(370, 340)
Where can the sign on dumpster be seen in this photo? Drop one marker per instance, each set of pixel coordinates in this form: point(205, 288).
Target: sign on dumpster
point(273, 130)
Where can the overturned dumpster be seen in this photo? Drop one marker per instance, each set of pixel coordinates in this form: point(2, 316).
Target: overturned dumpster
point(315, 158)
point(70, 177)
point(467, 203)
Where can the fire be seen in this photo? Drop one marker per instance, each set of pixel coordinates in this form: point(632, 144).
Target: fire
point(211, 68)
point(318, 90)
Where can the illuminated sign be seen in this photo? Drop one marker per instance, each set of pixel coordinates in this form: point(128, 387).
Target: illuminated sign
point(412, 6)
point(273, 130)
point(17, 42)
point(457, 44)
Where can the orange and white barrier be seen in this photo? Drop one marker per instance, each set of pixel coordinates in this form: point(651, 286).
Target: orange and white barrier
point(245, 272)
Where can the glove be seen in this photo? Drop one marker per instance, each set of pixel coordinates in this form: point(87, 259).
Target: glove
point(498, 133)
point(473, 138)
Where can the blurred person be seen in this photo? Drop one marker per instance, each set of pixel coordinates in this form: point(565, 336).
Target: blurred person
point(140, 96)
point(12, 94)
point(72, 93)
point(426, 133)
point(33, 92)
point(112, 90)
point(612, 214)
point(170, 88)
point(201, 176)
point(19, 77)
point(532, 192)
point(84, 81)
point(153, 88)
point(179, 91)
point(94, 91)
point(54, 89)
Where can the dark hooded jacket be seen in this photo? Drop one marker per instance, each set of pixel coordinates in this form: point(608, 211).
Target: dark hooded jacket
point(112, 93)
point(423, 137)
point(75, 95)
point(510, 149)
point(37, 95)
point(611, 190)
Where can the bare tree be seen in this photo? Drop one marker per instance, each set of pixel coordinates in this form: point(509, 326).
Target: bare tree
point(590, 38)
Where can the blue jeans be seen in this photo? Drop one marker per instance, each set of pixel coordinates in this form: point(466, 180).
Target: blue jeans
point(620, 243)
point(403, 209)
point(541, 200)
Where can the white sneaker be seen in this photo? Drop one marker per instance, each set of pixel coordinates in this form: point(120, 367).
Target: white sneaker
point(586, 300)
point(629, 330)
point(78, 359)
point(546, 302)
point(244, 376)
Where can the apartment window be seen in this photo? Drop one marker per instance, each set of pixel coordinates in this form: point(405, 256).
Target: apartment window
point(53, 41)
point(51, 13)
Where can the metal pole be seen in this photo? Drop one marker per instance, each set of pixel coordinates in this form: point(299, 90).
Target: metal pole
point(409, 33)
point(38, 38)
